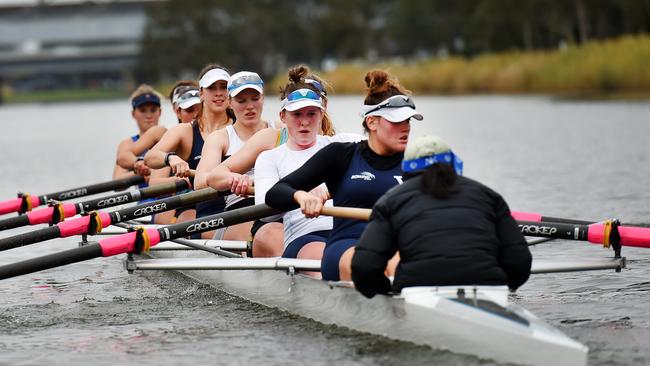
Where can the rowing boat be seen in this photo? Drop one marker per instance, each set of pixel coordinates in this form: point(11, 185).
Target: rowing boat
point(475, 320)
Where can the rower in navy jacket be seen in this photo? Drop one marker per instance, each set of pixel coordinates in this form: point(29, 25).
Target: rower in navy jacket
point(356, 174)
point(448, 229)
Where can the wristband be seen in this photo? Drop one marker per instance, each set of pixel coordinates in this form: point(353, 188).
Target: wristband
point(167, 156)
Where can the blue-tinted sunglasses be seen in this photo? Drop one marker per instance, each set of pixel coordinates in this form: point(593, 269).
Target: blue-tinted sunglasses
point(245, 80)
point(302, 94)
point(318, 86)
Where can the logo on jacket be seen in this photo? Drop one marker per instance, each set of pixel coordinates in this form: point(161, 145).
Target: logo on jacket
point(197, 157)
point(364, 176)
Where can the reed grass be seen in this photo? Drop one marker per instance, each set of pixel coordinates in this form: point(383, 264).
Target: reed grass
point(613, 66)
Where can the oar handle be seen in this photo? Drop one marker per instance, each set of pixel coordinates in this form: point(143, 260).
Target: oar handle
point(353, 213)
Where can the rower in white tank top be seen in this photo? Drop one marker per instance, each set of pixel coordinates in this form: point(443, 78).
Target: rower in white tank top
point(234, 144)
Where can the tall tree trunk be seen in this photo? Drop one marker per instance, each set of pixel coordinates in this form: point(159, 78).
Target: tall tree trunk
point(583, 22)
point(528, 35)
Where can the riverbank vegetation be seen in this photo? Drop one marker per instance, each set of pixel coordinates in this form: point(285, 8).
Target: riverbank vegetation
point(597, 68)
point(615, 68)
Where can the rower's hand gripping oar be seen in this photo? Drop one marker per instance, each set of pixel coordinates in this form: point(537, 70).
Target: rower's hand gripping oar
point(138, 241)
point(94, 222)
point(60, 211)
point(25, 202)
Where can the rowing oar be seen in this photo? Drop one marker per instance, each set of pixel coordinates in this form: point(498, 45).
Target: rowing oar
point(96, 221)
point(536, 217)
point(26, 202)
point(607, 233)
point(61, 211)
point(137, 241)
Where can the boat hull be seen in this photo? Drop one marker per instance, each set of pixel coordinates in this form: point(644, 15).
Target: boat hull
point(420, 315)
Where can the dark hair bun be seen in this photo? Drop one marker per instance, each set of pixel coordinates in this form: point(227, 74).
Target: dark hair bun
point(298, 73)
point(378, 82)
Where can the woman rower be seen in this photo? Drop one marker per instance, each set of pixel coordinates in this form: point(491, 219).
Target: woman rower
point(189, 108)
point(302, 112)
point(448, 229)
point(246, 97)
point(356, 174)
point(145, 102)
point(180, 148)
point(268, 234)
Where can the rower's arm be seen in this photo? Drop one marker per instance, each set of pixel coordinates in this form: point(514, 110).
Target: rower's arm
point(170, 141)
point(159, 176)
point(119, 171)
point(266, 175)
point(243, 160)
point(213, 148)
point(327, 165)
point(374, 249)
point(147, 140)
point(514, 256)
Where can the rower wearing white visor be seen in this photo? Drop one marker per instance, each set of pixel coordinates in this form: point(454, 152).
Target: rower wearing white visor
point(188, 104)
point(246, 98)
point(302, 112)
point(356, 174)
point(179, 88)
point(268, 235)
point(180, 148)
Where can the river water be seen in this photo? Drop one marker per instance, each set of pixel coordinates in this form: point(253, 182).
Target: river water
point(586, 160)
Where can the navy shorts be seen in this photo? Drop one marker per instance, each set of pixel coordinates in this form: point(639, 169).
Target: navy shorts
point(291, 251)
point(257, 224)
point(329, 265)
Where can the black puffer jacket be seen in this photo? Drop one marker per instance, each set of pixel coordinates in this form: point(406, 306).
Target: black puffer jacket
point(468, 239)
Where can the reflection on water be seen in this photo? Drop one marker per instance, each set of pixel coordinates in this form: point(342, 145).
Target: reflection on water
point(585, 160)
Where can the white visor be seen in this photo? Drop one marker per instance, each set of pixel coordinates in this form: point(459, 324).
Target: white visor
point(302, 98)
point(397, 115)
point(298, 104)
point(245, 80)
point(395, 109)
point(213, 76)
point(238, 90)
point(189, 99)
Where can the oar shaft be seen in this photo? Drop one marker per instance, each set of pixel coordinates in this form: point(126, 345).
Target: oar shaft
point(88, 190)
point(150, 208)
point(80, 225)
point(125, 243)
point(32, 237)
point(45, 215)
point(16, 204)
point(536, 217)
point(132, 196)
point(51, 261)
point(595, 233)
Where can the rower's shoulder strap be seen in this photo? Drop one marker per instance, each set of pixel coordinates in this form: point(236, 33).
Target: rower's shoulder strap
point(283, 136)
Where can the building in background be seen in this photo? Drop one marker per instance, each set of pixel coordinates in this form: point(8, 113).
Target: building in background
point(57, 44)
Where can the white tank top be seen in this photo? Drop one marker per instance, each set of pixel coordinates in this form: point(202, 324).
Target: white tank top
point(234, 144)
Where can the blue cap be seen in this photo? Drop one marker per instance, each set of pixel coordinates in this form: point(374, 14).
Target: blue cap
point(144, 99)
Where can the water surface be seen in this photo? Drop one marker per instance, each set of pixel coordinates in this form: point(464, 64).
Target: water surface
point(586, 160)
